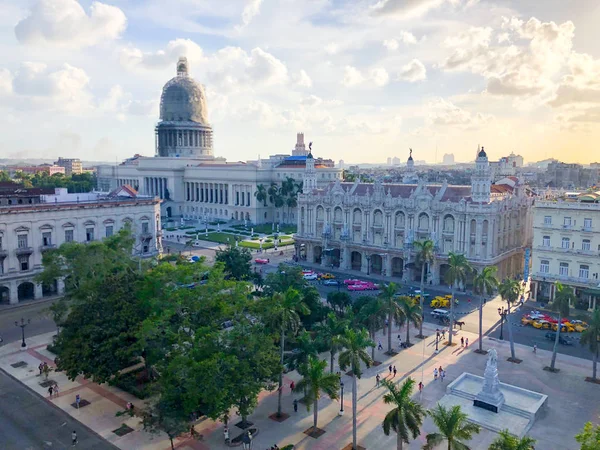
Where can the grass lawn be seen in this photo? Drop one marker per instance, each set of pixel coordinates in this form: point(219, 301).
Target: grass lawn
point(219, 237)
point(267, 228)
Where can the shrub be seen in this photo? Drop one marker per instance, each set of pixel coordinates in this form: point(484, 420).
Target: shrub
point(135, 382)
point(171, 229)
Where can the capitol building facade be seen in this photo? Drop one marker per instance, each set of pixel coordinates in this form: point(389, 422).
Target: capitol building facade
point(187, 177)
point(371, 227)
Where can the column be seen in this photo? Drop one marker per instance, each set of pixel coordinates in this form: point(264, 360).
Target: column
point(387, 264)
point(14, 293)
point(38, 291)
point(364, 263)
point(478, 237)
point(345, 257)
point(226, 189)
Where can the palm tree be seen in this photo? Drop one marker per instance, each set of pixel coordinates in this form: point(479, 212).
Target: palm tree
point(407, 416)
point(354, 343)
point(412, 313)
point(560, 304)
point(291, 202)
point(387, 294)
point(372, 316)
point(305, 348)
point(328, 333)
point(484, 283)
point(261, 194)
point(510, 290)
point(314, 382)
point(506, 441)
point(590, 337)
point(273, 192)
point(425, 255)
point(283, 315)
point(456, 274)
point(452, 426)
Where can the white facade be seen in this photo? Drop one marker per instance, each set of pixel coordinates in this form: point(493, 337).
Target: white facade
point(566, 247)
point(26, 231)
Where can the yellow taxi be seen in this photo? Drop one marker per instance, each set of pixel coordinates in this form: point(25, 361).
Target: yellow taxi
point(541, 324)
point(565, 327)
point(579, 325)
point(526, 320)
point(439, 302)
point(327, 276)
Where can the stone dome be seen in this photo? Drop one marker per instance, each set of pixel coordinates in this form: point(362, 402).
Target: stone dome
point(183, 98)
point(482, 153)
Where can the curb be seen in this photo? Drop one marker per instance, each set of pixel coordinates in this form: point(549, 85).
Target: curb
point(29, 303)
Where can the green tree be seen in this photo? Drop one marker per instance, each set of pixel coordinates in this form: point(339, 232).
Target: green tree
point(58, 311)
point(4, 176)
point(261, 194)
point(407, 416)
point(509, 291)
point(506, 441)
point(163, 416)
point(339, 301)
point(314, 382)
point(283, 314)
point(591, 338)
point(412, 313)
point(329, 333)
point(425, 253)
point(484, 283)
point(237, 261)
point(455, 275)
point(561, 304)
point(284, 278)
point(589, 437)
point(372, 316)
point(387, 294)
point(304, 348)
point(453, 427)
point(354, 353)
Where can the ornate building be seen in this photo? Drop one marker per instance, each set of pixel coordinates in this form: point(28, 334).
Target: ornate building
point(187, 177)
point(372, 227)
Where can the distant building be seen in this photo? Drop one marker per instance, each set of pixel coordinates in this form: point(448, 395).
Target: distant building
point(448, 159)
point(50, 169)
point(341, 164)
point(72, 166)
point(395, 161)
point(506, 166)
point(570, 176)
point(389, 161)
point(300, 148)
point(410, 175)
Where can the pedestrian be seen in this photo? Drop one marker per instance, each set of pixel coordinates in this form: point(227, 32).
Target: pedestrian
point(41, 368)
point(440, 370)
point(435, 374)
point(399, 342)
point(442, 375)
point(226, 434)
point(395, 371)
point(292, 386)
point(295, 405)
point(77, 400)
point(379, 346)
point(466, 342)
point(377, 377)
point(420, 386)
point(55, 390)
point(534, 348)
point(462, 341)
point(443, 333)
point(50, 391)
point(74, 438)
point(390, 369)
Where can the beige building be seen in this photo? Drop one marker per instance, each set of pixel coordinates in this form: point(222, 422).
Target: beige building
point(566, 247)
point(73, 166)
point(28, 230)
point(371, 228)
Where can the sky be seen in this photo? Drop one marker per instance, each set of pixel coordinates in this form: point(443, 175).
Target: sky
point(363, 79)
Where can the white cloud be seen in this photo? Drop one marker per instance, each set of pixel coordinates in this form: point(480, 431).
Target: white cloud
point(405, 37)
point(391, 44)
point(405, 9)
point(132, 57)
point(379, 76)
point(445, 113)
point(65, 22)
point(376, 76)
point(6, 82)
point(302, 79)
point(251, 9)
point(413, 71)
point(352, 76)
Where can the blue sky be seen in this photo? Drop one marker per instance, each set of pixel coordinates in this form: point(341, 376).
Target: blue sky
point(363, 79)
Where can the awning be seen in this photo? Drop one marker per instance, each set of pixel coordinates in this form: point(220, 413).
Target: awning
point(594, 291)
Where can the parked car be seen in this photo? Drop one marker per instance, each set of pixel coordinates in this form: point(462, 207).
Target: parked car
point(261, 261)
point(310, 276)
point(565, 327)
point(331, 283)
point(541, 324)
point(439, 302)
point(440, 314)
point(326, 276)
point(352, 281)
point(564, 340)
point(358, 287)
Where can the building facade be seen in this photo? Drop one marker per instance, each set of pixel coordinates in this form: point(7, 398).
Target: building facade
point(28, 230)
point(187, 177)
point(566, 247)
point(371, 228)
point(73, 166)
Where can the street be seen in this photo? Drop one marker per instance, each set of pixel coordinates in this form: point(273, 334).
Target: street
point(28, 422)
point(36, 311)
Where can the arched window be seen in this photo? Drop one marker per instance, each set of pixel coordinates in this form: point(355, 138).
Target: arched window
point(399, 222)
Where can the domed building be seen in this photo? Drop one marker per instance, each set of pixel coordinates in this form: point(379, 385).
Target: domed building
point(192, 183)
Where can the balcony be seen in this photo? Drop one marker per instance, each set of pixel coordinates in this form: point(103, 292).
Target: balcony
point(24, 251)
point(3, 253)
point(551, 277)
point(145, 236)
point(46, 247)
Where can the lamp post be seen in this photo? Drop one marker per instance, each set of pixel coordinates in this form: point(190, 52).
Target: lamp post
point(23, 324)
point(341, 413)
point(437, 339)
point(368, 264)
point(502, 313)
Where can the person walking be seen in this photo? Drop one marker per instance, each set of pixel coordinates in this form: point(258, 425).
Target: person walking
point(77, 400)
point(440, 370)
point(226, 434)
point(73, 438)
point(420, 386)
point(377, 378)
point(399, 341)
point(443, 333)
point(295, 405)
point(50, 391)
point(395, 371)
point(534, 348)
point(55, 389)
point(462, 341)
point(292, 386)
point(379, 346)
point(442, 375)
point(435, 374)
point(466, 342)
point(41, 368)
point(390, 369)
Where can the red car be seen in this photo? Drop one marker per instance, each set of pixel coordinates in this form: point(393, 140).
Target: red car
point(352, 281)
point(358, 287)
point(261, 261)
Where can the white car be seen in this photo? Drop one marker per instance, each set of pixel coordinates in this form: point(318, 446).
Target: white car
point(310, 276)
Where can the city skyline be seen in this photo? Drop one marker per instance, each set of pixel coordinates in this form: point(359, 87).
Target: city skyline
point(374, 75)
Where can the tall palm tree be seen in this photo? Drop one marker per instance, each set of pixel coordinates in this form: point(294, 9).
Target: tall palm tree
point(590, 337)
point(328, 333)
point(372, 316)
point(407, 416)
point(284, 316)
point(261, 194)
point(305, 348)
point(453, 428)
point(354, 343)
point(291, 202)
point(510, 290)
point(506, 441)
point(561, 304)
point(425, 255)
point(457, 272)
point(484, 283)
point(314, 382)
point(412, 313)
point(387, 294)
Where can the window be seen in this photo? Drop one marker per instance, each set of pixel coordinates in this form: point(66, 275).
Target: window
point(145, 227)
point(587, 223)
point(145, 249)
point(0, 242)
point(584, 271)
point(109, 230)
point(586, 244)
point(2, 267)
point(566, 243)
point(564, 269)
point(68, 235)
point(567, 222)
point(24, 262)
point(46, 239)
point(22, 241)
point(544, 266)
point(89, 234)
point(546, 241)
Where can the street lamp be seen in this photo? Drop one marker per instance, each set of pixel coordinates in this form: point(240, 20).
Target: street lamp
point(23, 324)
point(502, 313)
point(437, 339)
point(341, 413)
point(368, 264)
